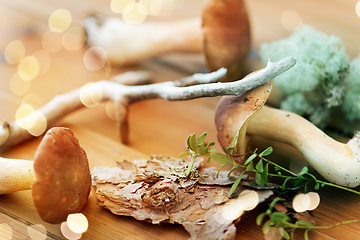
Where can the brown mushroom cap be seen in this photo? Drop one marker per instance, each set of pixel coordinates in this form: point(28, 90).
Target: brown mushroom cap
point(233, 114)
point(63, 180)
point(226, 31)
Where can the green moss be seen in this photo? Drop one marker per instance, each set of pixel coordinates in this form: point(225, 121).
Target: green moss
point(351, 105)
point(317, 81)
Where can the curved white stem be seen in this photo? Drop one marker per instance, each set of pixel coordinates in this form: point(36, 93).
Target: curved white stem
point(337, 162)
point(131, 43)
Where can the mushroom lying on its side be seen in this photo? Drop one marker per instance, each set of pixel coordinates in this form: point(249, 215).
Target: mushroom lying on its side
point(222, 34)
point(59, 176)
point(337, 162)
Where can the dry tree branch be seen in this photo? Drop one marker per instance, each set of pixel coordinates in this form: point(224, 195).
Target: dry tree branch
point(11, 133)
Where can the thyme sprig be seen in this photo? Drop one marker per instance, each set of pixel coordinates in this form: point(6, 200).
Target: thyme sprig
point(197, 147)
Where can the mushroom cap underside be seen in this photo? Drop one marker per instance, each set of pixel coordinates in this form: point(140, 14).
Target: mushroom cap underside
point(63, 180)
point(233, 114)
point(227, 36)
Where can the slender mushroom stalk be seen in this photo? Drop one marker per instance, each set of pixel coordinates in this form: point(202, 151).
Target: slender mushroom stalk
point(222, 34)
point(11, 133)
point(59, 176)
point(337, 162)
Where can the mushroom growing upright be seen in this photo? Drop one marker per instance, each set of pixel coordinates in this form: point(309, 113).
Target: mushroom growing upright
point(59, 176)
point(222, 34)
point(337, 162)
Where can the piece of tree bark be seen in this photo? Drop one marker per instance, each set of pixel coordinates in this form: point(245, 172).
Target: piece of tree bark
point(157, 190)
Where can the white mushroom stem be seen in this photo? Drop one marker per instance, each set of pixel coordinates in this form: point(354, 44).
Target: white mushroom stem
point(337, 162)
point(132, 43)
point(11, 133)
point(16, 175)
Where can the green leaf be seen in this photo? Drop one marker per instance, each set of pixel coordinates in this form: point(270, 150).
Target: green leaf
point(191, 142)
point(264, 174)
point(303, 171)
point(232, 169)
point(211, 149)
point(201, 139)
point(201, 149)
point(221, 158)
point(298, 181)
point(276, 168)
point(250, 167)
point(208, 160)
point(285, 234)
point(266, 152)
point(184, 154)
point(260, 166)
point(252, 157)
point(259, 218)
point(278, 217)
point(266, 226)
point(258, 178)
point(235, 184)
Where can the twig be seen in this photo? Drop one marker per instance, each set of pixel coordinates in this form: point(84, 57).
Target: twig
point(11, 133)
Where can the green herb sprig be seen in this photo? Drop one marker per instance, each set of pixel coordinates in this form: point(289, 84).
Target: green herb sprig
point(197, 147)
point(287, 228)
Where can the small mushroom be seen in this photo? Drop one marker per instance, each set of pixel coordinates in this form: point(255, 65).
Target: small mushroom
point(59, 176)
point(337, 162)
point(222, 34)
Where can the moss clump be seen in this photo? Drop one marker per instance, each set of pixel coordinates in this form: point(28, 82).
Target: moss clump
point(316, 84)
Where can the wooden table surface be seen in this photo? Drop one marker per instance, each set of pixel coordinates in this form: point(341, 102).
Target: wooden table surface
point(156, 126)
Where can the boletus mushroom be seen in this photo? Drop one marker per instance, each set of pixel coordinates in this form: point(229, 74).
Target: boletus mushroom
point(59, 176)
point(243, 114)
point(222, 34)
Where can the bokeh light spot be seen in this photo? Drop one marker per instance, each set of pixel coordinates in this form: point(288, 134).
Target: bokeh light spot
point(21, 113)
point(6, 231)
point(14, 52)
point(37, 232)
point(135, 13)
point(90, 95)
point(59, 20)
point(77, 222)
point(74, 38)
point(36, 123)
point(44, 60)
point(67, 233)
point(95, 58)
point(232, 210)
point(18, 86)
point(291, 20)
point(118, 6)
point(52, 41)
point(249, 198)
point(303, 202)
point(314, 200)
point(28, 68)
point(357, 8)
